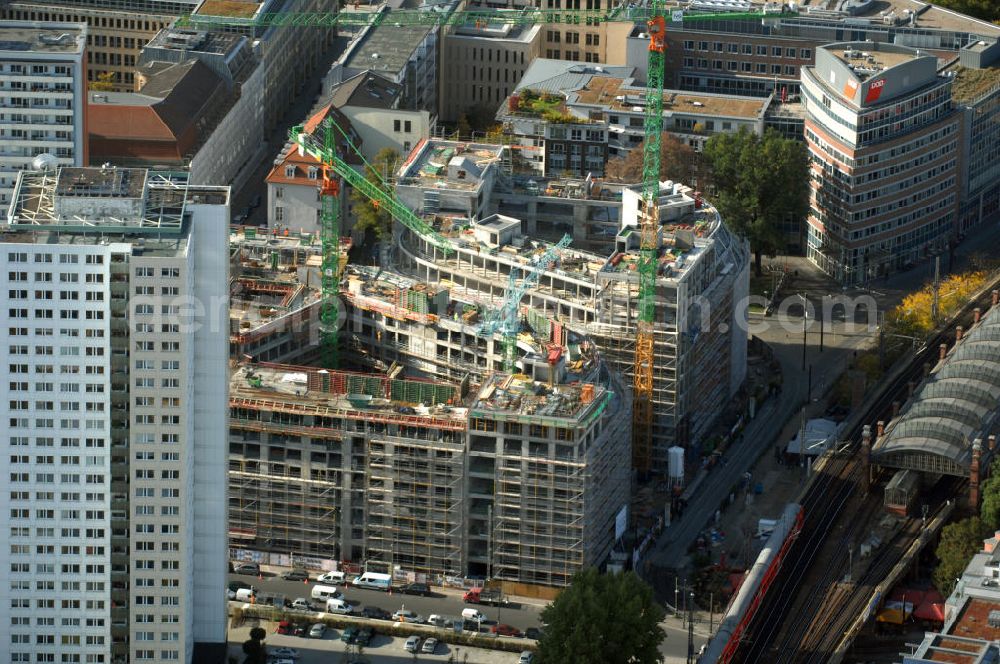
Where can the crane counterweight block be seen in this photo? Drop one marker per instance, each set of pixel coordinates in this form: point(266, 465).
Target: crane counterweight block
point(657, 27)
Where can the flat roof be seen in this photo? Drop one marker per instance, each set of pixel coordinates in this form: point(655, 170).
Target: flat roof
point(498, 31)
point(387, 47)
point(229, 8)
point(431, 165)
point(928, 16)
point(867, 59)
point(968, 85)
point(605, 91)
point(100, 182)
point(973, 622)
point(29, 36)
point(196, 41)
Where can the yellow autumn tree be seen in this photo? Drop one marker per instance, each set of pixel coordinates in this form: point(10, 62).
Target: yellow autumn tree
point(914, 315)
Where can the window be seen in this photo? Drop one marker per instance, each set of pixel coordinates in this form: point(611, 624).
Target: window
point(397, 125)
point(407, 126)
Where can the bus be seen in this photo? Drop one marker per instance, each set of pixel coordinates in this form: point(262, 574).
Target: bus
point(373, 581)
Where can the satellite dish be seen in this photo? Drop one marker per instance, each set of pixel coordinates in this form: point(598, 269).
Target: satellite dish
point(44, 162)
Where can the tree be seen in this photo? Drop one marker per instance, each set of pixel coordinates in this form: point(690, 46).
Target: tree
point(602, 618)
point(988, 10)
point(369, 217)
point(760, 182)
point(105, 82)
point(253, 647)
point(959, 542)
point(678, 162)
point(989, 512)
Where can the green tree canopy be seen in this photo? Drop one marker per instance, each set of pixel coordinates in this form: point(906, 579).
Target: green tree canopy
point(988, 10)
point(959, 542)
point(602, 619)
point(369, 218)
point(678, 162)
point(989, 512)
point(760, 182)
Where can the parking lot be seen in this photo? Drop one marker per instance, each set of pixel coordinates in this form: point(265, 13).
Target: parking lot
point(384, 649)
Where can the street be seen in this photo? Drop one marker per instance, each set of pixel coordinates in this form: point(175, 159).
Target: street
point(449, 603)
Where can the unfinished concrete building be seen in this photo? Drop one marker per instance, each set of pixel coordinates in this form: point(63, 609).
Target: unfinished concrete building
point(425, 477)
point(590, 295)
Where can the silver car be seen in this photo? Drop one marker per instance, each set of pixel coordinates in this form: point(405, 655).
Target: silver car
point(412, 644)
point(430, 645)
point(317, 631)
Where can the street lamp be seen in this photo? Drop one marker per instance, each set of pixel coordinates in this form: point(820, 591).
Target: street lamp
point(805, 319)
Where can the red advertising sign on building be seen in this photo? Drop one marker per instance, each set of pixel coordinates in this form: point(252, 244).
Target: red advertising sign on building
point(874, 90)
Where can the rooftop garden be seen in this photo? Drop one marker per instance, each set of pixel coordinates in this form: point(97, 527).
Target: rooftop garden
point(550, 107)
point(230, 8)
point(970, 84)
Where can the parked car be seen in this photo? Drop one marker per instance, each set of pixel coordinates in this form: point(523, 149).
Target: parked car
point(527, 657)
point(405, 615)
point(284, 627)
point(287, 653)
point(365, 637)
point(295, 575)
point(376, 613)
point(412, 644)
point(247, 568)
point(533, 633)
point(302, 604)
point(421, 589)
point(430, 645)
point(331, 577)
point(350, 635)
point(506, 630)
point(300, 629)
point(317, 631)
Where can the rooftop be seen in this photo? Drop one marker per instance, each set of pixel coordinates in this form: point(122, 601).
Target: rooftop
point(229, 8)
point(952, 650)
point(292, 168)
point(955, 403)
point(499, 31)
point(440, 164)
point(22, 36)
point(367, 90)
point(682, 244)
point(868, 58)
point(102, 200)
point(974, 621)
point(386, 47)
point(971, 84)
point(196, 41)
point(616, 94)
point(520, 396)
point(336, 394)
point(927, 16)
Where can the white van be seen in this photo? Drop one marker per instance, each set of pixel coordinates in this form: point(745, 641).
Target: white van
point(474, 615)
point(373, 581)
point(246, 595)
point(326, 592)
point(331, 577)
point(338, 606)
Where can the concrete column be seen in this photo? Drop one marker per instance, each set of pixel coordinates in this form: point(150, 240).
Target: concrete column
point(977, 449)
point(880, 429)
point(996, 298)
point(977, 313)
point(895, 408)
point(958, 333)
point(943, 351)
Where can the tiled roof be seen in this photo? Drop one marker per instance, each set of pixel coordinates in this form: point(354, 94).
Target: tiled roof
point(290, 158)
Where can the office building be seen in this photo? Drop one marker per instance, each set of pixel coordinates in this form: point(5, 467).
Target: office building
point(975, 90)
point(883, 139)
point(116, 353)
point(43, 100)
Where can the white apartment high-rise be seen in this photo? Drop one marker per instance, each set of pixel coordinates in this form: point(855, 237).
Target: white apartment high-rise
point(115, 408)
point(43, 96)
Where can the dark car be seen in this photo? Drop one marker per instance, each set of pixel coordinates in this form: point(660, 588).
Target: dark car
point(421, 589)
point(506, 630)
point(349, 635)
point(300, 629)
point(533, 633)
point(295, 575)
point(375, 613)
point(365, 637)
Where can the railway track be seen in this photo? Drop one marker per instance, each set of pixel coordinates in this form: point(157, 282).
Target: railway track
point(818, 626)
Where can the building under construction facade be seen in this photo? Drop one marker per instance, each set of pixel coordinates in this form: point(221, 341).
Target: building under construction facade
point(587, 301)
point(513, 477)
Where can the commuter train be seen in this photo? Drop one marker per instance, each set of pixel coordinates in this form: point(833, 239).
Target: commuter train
point(744, 605)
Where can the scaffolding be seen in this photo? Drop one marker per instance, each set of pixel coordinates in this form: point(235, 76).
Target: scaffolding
point(539, 517)
point(415, 503)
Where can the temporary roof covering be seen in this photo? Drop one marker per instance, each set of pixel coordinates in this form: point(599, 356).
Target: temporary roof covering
point(956, 404)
